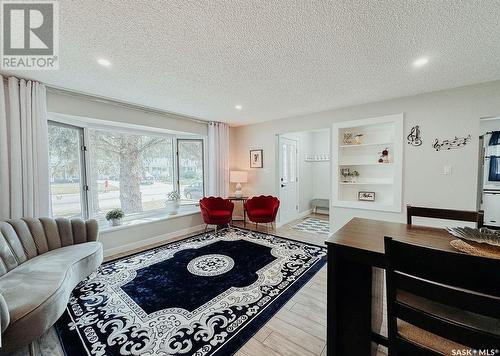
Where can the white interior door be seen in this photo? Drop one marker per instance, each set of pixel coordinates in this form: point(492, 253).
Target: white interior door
point(288, 180)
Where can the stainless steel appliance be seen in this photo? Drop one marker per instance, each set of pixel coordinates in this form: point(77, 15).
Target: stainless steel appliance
point(491, 187)
point(489, 153)
point(491, 207)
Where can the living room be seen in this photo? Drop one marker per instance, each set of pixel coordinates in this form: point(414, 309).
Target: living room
point(219, 178)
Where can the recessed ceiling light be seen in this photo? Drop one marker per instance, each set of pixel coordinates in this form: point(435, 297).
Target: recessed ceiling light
point(104, 62)
point(421, 62)
point(238, 107)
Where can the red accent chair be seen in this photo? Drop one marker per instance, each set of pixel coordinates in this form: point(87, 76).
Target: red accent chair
point(216, 211)
point(262, 209)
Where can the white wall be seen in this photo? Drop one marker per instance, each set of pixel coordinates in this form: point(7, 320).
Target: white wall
point(321, 170)
point(131, 237)
point(441, 114)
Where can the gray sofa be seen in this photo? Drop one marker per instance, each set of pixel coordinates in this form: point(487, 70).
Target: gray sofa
point(41, 262)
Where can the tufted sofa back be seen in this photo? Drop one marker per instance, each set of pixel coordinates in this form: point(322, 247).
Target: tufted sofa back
point(23, 239)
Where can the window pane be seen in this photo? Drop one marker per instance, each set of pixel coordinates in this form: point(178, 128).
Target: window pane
point(191, 169)
point(131, 172)
point(284, 155)
point(292, 162)
point(65, 171)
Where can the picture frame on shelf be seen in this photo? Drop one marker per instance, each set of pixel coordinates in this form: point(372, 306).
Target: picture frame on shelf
point(366, 196)
point(256, 159)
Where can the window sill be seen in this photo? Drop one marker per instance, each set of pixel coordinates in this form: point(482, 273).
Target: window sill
point(148, 220)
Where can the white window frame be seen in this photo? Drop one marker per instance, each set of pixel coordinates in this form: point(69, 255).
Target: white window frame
point(84, 127)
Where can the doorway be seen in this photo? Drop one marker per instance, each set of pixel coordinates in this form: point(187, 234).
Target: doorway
point(303, 175)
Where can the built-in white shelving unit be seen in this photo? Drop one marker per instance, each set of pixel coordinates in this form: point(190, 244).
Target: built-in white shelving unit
point(384, 179)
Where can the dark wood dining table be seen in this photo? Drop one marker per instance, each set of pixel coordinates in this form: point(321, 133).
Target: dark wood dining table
point(356, 261)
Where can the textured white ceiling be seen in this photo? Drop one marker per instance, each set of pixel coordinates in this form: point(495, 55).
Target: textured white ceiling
point(276, 58)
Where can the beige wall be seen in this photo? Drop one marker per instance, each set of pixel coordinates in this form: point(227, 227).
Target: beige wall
point(81, 106)
point(135, 236)
point(441, 114)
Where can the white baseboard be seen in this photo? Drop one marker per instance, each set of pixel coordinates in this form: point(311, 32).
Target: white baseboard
point(300, 215)
point(152, 240)
point(305, 213)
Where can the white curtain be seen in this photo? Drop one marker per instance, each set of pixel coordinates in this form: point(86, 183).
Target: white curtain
point(24, 158)
point(218, 159)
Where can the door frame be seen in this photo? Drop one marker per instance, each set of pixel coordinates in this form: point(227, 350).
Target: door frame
point(280, 221)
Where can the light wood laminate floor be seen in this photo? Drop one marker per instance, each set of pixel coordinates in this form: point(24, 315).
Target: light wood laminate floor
point(297, 329)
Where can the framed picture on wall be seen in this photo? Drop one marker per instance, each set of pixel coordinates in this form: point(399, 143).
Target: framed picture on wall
point(256, 160)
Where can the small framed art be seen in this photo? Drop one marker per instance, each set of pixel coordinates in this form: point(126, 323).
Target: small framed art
point(256, 160)
point(366, 196)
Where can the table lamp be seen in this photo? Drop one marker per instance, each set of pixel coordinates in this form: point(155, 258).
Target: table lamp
point(238, 177)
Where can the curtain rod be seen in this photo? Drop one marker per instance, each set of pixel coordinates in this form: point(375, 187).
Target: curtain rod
point(120, 103)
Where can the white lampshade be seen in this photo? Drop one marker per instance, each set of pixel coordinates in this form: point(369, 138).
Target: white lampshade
point(238, 176)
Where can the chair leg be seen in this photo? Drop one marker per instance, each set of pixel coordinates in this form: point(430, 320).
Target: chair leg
point(206, 227)
point(256, 226)
point(32, 349)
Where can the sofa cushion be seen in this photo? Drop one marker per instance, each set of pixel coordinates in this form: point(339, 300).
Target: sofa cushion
point(38, 291)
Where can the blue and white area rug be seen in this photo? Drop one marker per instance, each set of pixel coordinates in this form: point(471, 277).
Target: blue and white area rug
point(313, 226)
point(204, 295)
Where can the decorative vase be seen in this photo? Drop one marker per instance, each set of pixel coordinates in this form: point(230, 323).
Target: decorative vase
point(237, 192)
point(347, 138)
point(172, 207)
point(115, 222)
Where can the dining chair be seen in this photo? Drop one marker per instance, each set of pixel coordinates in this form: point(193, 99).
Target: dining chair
point(440, 301)
point(460, 215)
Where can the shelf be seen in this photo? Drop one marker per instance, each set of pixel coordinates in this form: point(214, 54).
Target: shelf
point(368, 144)
point(367, 183)
point(317, 157)
point(366, 164)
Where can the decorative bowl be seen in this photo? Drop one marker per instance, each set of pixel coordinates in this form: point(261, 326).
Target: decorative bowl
point(482, 235)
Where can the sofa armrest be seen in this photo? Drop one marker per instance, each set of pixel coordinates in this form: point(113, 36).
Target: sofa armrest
point(4, 314)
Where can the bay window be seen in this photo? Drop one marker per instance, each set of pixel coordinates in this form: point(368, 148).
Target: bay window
point(95, 170)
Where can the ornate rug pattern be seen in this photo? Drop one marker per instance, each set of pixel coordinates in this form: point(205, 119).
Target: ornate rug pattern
point(313, 226)
point(204, 295)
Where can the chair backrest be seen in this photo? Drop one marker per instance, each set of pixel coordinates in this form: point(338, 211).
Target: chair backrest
point(263, 201)
point(216, 203)
point(460, 215)
point(452, 295)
